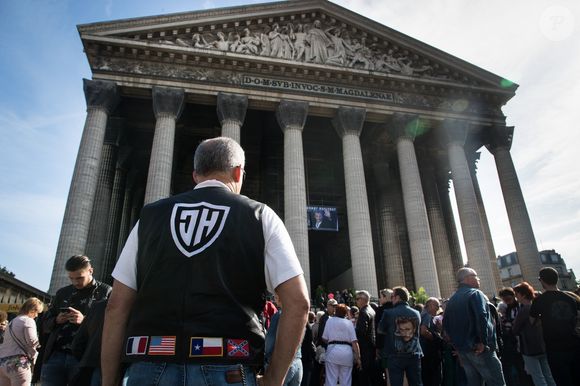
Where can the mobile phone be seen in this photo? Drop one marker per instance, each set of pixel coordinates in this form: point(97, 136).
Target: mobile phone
point(64, 309)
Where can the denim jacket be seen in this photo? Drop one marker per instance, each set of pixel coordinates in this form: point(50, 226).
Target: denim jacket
point(400, 327)
point(467, 320)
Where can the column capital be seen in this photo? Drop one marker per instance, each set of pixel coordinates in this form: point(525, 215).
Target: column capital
point(231, 107)
point(292, 114)
point(501, 138)
point(405, 126)
point(472, 159)
point(168, 101)
point(349, 120)
point(101, 94)
point(455, 131)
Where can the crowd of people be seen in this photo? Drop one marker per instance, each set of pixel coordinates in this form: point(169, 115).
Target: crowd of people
point(527, 338)
point(188, 307)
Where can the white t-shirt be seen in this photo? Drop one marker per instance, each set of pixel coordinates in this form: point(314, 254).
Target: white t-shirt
point(339, 329)
point(281, 262)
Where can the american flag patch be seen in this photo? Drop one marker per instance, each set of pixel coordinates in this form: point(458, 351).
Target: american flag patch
point(239, 348)
point(136, 345)
point(162, 345)
point(206, 347)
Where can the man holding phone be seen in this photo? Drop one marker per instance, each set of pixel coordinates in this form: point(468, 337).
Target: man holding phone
point(68, 309)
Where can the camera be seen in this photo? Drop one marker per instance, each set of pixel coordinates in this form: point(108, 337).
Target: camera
point(64, 309)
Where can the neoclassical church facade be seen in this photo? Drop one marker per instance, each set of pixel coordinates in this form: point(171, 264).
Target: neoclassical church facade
point(333, 110)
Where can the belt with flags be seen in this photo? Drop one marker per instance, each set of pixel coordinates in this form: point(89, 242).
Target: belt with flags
point(197, 347)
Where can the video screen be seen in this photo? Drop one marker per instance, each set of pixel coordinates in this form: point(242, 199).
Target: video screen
point(322, 218)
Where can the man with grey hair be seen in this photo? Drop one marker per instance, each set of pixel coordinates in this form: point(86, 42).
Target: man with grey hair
point(431, 344)
point(469, 324)
point(191, 280)
point(365, 333)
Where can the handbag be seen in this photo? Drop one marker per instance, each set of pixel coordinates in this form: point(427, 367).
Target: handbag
point(19, 343)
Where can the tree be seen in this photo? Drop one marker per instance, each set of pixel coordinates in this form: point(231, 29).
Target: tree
point(420, 296)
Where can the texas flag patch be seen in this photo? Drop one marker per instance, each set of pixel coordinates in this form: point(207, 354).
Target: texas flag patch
point(206, 347)
point(239, 348)
point(136, 345)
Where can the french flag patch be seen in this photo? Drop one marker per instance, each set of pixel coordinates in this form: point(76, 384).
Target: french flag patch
point(137, 345)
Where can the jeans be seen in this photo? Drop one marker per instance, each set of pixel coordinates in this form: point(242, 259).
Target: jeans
point(538, 368)
point(399, 365)
point(485, 366)
point(59, 369)
point(170, 374)
point(294, 374)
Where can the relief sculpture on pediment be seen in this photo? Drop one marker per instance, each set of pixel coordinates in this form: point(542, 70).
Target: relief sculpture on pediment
point(314, 43)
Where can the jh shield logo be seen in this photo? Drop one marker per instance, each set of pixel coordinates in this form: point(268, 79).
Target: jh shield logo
point(194, 227)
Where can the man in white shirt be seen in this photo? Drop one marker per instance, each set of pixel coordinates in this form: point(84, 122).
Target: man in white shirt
point(205, 244)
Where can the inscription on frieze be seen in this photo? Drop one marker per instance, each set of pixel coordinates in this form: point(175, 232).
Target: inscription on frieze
point(317, 88)
point(207, 75)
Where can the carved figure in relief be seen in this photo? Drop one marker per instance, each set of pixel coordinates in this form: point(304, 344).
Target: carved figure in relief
point(361, 55)
point(318, 42)
point(235, 41)
point(276, 49)
point(287, 35)
point(387, 62)
point(407, 66)
point(221, 43)
point(265, 40)
point(249, 43)
point(337, 51)
point(197, 41)
point(299, 43)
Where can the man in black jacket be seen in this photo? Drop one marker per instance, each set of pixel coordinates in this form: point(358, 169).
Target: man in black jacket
point(69, 307)
point(365, 333)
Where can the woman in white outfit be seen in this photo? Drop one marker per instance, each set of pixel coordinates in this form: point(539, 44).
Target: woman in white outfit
point(19, 350)
point(342, 351)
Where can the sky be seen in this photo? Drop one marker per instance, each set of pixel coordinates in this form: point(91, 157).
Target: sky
point(42, 107)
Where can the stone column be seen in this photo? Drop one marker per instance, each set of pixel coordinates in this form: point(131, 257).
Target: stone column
point(450, 225)
point(475, 245)
point(125, 225)
point(390, 245)
point(167, 106)
point(348, 123)
point(473, 158)
point(520, 223)
point(100, 215)
point(291, 117)
point(102, 98)
point(445, 272)
point(231, 111)
point(115, 215)
point(404, 129)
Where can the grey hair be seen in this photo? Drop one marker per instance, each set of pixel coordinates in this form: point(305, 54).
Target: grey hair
point(217, 155)
point(463, 273)
point(365, 293)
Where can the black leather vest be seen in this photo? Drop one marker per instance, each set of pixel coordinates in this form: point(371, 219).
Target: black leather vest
point(200, 277)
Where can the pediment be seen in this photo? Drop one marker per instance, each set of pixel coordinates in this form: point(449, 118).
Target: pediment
point(304, 33)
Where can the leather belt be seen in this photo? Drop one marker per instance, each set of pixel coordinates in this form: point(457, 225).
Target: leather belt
point(340, 342)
